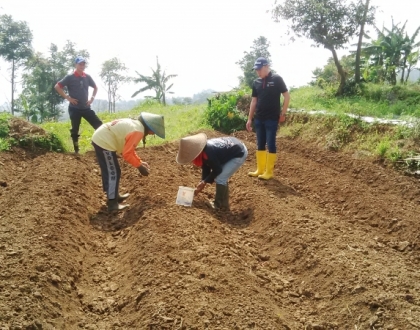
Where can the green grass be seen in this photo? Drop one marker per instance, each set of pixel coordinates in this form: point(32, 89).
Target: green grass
point(389, 104)
point(392, 144)
point(180, 120)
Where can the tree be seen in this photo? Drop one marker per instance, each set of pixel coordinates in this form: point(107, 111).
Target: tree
point(329, 75)
point(112, 74)
point(157, 82)
point(36, 82)
point(359, 44)
point(407, 49)
point(259, 48)
point(391, 53)
point(328, 23)
point(412, 60)
point(16, 46)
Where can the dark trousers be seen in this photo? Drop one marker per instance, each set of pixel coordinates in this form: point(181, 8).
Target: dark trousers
point(76, 116)
point(266, 134)
point(110, 170)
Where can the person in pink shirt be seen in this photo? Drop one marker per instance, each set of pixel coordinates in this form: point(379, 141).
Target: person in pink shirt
point(122, 136)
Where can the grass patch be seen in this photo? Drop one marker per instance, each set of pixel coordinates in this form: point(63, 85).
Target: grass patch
point(180, 120)
point(390, 144)
point(377, 101)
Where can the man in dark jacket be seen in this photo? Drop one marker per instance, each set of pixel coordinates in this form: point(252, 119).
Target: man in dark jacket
point(218, 158)
point(78, 84)
point(265, 104)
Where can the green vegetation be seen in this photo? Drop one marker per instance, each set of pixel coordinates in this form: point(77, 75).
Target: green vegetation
point(328, 23)
point(15, 47)
point(391, 144)
point(18, 136)
point(383, 101)
point(4, 131)
point(157, 82)
point(222, 113)
point(259, 48)
point(180, 120)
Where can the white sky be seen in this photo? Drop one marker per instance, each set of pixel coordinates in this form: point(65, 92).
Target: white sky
point(199, 40)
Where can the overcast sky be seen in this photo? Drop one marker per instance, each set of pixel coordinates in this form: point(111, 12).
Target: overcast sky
point(199, 40)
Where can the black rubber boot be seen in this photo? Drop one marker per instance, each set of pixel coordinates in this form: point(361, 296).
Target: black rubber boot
point(113, 205)
point(225, 204)
point(219, 198)
point(122, 198)
point(76, 147)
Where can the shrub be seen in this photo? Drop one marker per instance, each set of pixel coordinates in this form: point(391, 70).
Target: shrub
point(18, 132)
point(222, 113)
point(4, 125)
point(382, 148)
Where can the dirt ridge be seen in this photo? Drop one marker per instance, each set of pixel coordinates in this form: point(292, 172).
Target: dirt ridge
point(331, 243)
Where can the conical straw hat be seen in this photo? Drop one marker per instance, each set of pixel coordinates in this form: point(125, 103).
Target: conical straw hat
point(154, 122)
point(190, 147)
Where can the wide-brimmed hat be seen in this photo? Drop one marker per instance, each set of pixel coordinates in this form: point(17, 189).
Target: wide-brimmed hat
point(155, 123)
point(190, 147)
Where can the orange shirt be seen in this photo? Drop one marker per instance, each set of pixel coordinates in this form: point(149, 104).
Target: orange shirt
point(121, 136)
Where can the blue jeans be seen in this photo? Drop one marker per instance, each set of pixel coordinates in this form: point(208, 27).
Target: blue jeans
point(266, 134)
point(230, 168)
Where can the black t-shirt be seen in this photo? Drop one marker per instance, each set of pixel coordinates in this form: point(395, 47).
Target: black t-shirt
point(268, 91)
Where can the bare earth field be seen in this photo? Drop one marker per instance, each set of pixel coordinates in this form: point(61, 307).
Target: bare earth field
point(333, 242)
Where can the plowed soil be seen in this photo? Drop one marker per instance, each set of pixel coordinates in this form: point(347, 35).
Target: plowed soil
point(333, 242)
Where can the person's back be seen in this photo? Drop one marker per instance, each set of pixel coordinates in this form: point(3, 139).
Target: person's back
point(122, 136)
point(112, 136)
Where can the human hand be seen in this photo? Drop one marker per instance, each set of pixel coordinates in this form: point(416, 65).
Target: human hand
point(73, 101)
point(248, 125)
point(199, 188)
point(90, 101)
point(144, 169)
point(282, 118)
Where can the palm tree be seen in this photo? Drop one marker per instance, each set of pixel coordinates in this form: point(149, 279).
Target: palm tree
point(412, 60)
point(407, 49)
point(359, 44)
point(390, 52)
point(157, 82)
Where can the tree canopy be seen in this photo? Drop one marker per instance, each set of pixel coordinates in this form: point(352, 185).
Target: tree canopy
point(113, 74)
point(157, 81)
point(15, 46)
point(328, 23)
point(259, 48)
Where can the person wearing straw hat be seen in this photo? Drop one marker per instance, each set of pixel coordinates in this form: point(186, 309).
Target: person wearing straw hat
point(219, 159)
point(265, 104)
point(122, 136)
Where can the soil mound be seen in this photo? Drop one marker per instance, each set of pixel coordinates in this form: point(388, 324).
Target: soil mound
point(331, 243)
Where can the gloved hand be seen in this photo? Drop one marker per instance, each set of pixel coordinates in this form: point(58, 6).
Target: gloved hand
point(144, 169)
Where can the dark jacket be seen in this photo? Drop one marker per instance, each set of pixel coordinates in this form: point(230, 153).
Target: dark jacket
point(219, 151)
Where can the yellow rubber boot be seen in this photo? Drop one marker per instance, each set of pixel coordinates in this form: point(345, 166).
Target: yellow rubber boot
point(269, 171)
point(261, 161)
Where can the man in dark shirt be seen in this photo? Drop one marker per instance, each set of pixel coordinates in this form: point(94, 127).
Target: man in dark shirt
point(265, 104)
point(78, 84)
